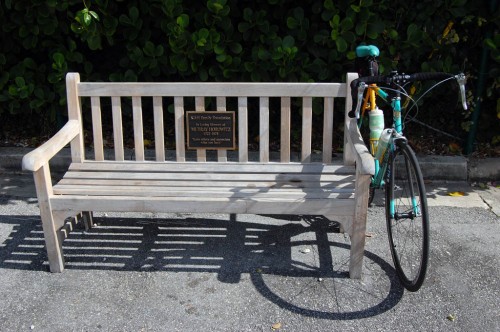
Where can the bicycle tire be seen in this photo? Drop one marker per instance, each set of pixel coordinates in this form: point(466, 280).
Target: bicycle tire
point(408, 226)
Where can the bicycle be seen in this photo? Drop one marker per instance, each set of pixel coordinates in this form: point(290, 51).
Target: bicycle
point(397, 170)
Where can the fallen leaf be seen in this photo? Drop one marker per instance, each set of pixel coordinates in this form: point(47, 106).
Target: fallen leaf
point(456, 193)
point(276, 326)
point(455, 148)
point(451, 317)
point(258, 270)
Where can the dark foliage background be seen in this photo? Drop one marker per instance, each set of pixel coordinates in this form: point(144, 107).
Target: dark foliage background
point(240, 40)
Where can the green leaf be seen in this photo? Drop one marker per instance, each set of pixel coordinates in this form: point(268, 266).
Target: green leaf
point(87, 19)
point(347, 24)
point(149, 49)
point(183, 21)
point(349, 37)
point(94, 42)
point(351, 55)
point(360, 28)
point(263, 54)
point(203, 74)
point(288, 42)
point(298, 13)
point(292, 23)
point(329, 5)
point(393, 34)
point(94, 15)
point(204, 33)
point(236, 48)
point(58, 59)
point(133, 13)
point(159, 51)
point(20, 82)
point(341, 44)
point(490, 43)
point(412, 31)
point(218, 49)
point(221, 57)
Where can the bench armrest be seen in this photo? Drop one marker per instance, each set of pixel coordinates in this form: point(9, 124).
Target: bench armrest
point(364, 159)
point(41, 155)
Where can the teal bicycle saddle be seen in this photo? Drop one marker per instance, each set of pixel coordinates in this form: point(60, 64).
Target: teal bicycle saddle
point(367, 50)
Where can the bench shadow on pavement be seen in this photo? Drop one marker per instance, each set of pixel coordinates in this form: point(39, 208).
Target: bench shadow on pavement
point(299, 266)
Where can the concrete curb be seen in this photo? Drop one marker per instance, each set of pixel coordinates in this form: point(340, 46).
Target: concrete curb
point(445, 168)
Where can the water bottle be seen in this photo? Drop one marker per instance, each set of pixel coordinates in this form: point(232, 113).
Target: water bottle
point(376, 122)
point(383, 143)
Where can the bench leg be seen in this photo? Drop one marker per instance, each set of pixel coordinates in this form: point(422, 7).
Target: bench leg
point(43, 186)
point(88, 221)
point(358, 231)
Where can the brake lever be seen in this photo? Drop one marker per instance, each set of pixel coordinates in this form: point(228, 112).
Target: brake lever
point(461, 79)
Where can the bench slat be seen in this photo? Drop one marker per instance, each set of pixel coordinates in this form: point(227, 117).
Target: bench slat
point(221, 107)
point(138, 128)
point(213, 89)
point(201, 176)
point(285, 193)
point(243, 129)
point(285, 130)
point(306, 129)
point(327, 130)
point(201, 154)
point(264, 130)
point(97, 128)
point(180, 148)
point(341, 207)
point(159, 128)
point(213, 167)
point(116, 109)
point(246, 184)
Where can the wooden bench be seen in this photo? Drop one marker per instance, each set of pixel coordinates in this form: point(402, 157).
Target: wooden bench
point(211, 182)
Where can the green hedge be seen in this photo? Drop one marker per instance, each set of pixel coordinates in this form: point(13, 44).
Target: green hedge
point(232, 40)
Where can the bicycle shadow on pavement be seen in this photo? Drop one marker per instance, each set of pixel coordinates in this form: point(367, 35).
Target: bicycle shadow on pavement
point(300, 266)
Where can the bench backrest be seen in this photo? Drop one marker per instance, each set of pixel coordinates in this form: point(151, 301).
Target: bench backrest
point(138, 97)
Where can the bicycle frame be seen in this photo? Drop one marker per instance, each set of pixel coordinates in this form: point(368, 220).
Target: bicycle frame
point(369, 103)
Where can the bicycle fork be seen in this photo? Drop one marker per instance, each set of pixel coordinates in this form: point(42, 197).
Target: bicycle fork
point(415, 210)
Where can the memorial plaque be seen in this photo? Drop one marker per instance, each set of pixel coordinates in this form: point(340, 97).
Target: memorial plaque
point(210, 130)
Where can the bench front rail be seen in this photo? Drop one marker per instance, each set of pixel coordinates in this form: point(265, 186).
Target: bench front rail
point(210, 181)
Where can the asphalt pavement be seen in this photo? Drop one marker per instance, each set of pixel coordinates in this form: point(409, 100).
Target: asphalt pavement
point(194, 272)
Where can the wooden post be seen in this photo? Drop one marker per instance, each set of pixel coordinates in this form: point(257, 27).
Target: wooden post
point(348, 153)
point(87, 219)
point(75, 113)
point(358, 231)
point(43, 186)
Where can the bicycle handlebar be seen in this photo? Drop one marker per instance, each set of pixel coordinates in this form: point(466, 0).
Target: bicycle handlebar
point(357, 87)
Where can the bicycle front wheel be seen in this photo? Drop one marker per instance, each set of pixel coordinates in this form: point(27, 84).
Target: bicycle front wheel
point(407, 216)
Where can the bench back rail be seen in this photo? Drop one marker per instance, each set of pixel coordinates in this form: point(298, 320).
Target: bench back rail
point(283, 98)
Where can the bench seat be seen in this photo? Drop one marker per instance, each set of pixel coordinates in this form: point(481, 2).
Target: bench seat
point(210, 187)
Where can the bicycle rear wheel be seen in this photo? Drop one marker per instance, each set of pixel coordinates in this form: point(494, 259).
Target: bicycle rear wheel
point(407, 216)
